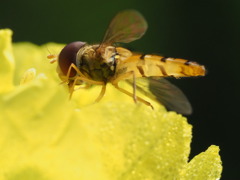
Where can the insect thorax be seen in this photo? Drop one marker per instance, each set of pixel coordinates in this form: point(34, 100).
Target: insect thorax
point(97, 65)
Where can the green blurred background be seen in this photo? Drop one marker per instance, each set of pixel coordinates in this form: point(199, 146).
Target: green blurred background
point(205, 31)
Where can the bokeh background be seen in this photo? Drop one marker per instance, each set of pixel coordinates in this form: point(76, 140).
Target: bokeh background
point(206, 31)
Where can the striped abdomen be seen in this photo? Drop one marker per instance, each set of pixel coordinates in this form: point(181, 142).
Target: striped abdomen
point(154, 65)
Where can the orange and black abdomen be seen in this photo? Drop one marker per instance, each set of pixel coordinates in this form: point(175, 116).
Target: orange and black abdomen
point(68, 56)
point(159, 66)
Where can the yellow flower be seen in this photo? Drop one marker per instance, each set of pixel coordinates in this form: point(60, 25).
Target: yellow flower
point(44, 136)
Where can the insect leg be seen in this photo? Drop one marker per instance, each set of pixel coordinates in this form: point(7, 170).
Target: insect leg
point(73, 81)
point(126, 76)
point(131, 95)
point(135, 97)
point(89, 82)
point(100, 96)
point(73, 66)
point(80, 76)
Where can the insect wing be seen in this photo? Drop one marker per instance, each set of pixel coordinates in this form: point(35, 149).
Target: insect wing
point(126, 26)
point(164, 92)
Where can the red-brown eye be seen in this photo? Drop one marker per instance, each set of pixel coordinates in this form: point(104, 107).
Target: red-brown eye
point(68, 56)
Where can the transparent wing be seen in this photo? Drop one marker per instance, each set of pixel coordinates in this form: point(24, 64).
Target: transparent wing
point(164, 92)
point(126, 26)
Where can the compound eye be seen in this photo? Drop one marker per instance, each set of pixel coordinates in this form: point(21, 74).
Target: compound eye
point(68, 56)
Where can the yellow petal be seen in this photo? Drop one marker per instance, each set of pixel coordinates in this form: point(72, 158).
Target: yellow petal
point(138, 143)
point(112, 139)
point(46, 136)
point(207, 166)
point(6, 61)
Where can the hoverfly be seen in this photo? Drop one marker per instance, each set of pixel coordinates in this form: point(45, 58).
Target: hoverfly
point(82, 64)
